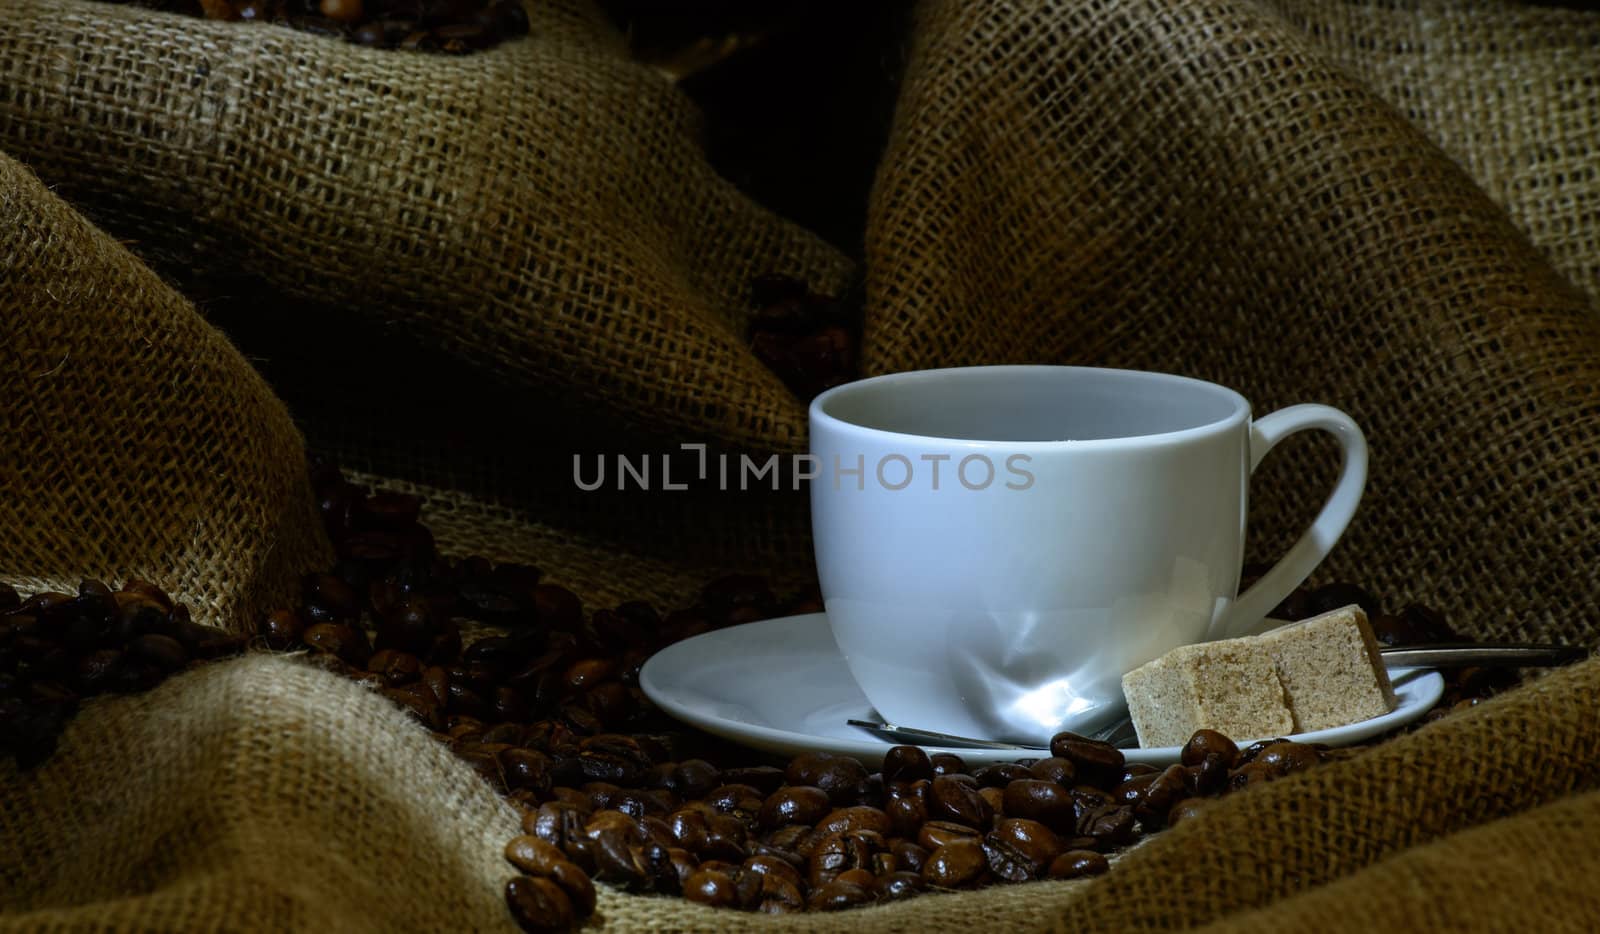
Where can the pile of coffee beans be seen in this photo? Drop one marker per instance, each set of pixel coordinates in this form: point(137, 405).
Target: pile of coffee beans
point(58, 648)
point(545, 706)
point(824, 834)
point(454, 27)
point(808, 340)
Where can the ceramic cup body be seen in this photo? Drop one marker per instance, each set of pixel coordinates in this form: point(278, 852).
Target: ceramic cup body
point(998, 545)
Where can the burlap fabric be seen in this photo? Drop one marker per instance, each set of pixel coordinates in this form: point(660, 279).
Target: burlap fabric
point(138, 442)
point(1212, 187)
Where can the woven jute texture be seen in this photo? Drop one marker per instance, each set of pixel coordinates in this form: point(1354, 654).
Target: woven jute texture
point(1194, 187)
point(542, 211)
point(1249, 193)
point(137, 441)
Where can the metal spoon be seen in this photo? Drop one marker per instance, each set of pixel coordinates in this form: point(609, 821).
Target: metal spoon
point(1445, 655)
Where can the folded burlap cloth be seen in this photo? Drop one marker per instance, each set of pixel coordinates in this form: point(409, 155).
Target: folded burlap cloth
point(459, 272)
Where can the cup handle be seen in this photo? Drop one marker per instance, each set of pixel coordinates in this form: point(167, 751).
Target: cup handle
point(1245, 615)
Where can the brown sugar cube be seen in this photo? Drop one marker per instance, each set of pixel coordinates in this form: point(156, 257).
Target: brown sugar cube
point(1230, 686)
point(1330, 669)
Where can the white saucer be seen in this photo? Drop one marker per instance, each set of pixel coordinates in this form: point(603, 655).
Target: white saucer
point(780, 685)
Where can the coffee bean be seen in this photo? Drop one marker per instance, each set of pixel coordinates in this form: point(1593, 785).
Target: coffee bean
point(1169, 787)
point(532, 855)
point(906, 764)
point(897, 885)
point(576, 883)
point(1027, 839)
point(1185, 810)
point(1054, 769)
point(841, 851)
point(1001, 774)
point(1208, 743)
point(854, 818)
point(1074, 864)
point(1043, 801)
point(953, 800)
point(710, 887)
point(840, 777)
point(956, 864)
point(282, 629)
point(539, 904)
point(795, 804)
point(906, 815)
point(935, 834)
point(1286, 757)
point(764, 778)
point(948, 763)
point(1098, 764)
point(838, 895)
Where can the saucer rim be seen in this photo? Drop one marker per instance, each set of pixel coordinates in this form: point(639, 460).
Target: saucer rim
point(1424, 687)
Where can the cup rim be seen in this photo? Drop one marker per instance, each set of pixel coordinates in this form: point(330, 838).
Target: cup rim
point(820, 417)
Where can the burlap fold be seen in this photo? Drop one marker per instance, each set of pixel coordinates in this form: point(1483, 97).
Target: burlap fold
point(1279, 198)
point(137, 441)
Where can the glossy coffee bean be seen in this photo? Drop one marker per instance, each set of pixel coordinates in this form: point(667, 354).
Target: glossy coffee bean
point(1075, 864)
point(838, 895)
point(957, 864)
point(906, 764)
point(539, 904)
point(795, 804)
point(1096, 763)
point(951, 799)
point(1209, 743)
point(1044, 801)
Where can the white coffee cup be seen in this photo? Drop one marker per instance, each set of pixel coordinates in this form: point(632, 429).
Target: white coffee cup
point(998, 545)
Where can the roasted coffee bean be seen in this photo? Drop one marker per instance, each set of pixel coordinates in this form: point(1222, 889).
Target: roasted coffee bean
point(526, 769)
point(1108, 825)
point(1074, 864)
point(710, 887)
point(954, 800)
point(837, 896)
point(1209, 743)
point(909, 856)
point(1135, 769)
point(780, 896)
point(576, 883)
point(1170, 787)
point(1054, 769)
point(1251, 773)
point(1185, 810)
point(1096, 763)
point(861, 877)
point(1285, 756)
point(935, 834)
point(774, 865)
point(840, 777)
point(854, 818)
point(1043, 801)
point(539, 904)
point(957, 864)
point(795, 804)
point(906, 764)
point(1001, 774)
point(1027, 839)
point(897, 885)
point(618, 858)
point(838, 852)
point(1209, 777)
point(694, 778)
point(396, 668)
point(341, 640)
point(533, 855)
point(906, 815)
point(948, 763)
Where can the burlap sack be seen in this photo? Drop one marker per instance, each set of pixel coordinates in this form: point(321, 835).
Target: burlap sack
point(265, 795)
point(137, 442)
point(1189, 186)
point(1194, 187)
point(542, 211)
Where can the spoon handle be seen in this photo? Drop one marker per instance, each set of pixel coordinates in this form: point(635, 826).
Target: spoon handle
point(1487, 655)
